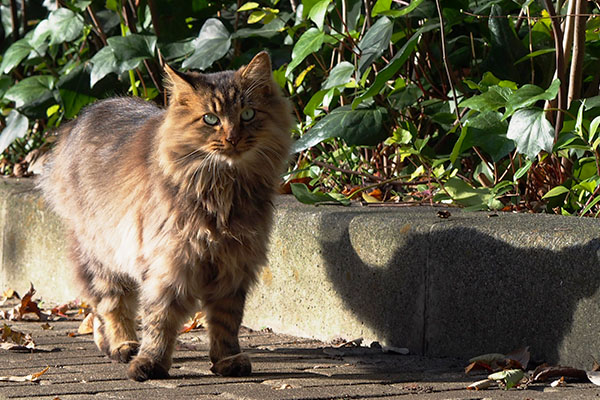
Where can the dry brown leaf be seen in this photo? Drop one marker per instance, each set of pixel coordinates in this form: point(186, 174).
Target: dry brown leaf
point(198, 321)
point(559, 382)
point(547, 373)
point(11, 338)
point(594, 377)
point(87, 325)
point(521, 356)
point(27, 306)
point(9, 294)
point(287, 187)
point(481, 385)
point(46, 326)
point(478, 366)
point(28, 378)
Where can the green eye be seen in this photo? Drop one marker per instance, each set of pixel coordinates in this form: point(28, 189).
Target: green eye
point(211, 119)
point(248, 114)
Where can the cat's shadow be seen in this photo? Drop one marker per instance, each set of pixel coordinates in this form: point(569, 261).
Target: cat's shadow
point(466, 293)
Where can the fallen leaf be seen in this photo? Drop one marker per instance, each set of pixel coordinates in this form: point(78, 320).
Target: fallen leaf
point(596, 366)
point(196, 322)
point(594, 377)
point(287, 187)
point(521, 355)
point(370, 198)
point(28, 378)
point(46, 326)
point(559, 382)
point(547, 373)
point(481, 385)
point(9, 294)
point(510, 377)
point(27, 306)
point(349, 343)
point(11, 338)
point(87, 325)
point(489, 358)
point(351, 192)
point(478, 366)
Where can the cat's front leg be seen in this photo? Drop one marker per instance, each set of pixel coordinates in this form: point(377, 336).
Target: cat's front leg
point(224, 317)
point(164, 313)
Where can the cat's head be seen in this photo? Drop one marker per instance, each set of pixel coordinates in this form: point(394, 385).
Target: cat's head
point(231, 118)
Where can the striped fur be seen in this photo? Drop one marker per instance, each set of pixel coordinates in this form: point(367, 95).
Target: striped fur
point(166, 211)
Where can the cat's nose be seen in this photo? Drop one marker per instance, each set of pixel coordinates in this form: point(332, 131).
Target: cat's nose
point(232, 139)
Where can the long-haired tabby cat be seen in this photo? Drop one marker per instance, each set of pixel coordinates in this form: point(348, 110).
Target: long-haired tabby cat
point(166, 208)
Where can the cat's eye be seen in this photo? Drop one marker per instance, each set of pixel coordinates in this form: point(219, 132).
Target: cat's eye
point(210, 119)
point(248, 114)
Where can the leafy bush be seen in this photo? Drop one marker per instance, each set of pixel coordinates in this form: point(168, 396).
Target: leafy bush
point(458, 101)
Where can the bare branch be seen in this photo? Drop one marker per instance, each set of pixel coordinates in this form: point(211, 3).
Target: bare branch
point(576, 74)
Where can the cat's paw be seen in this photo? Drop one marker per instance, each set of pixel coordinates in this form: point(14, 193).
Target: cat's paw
point(236, 365)
point(143, 368)
point(125, 351)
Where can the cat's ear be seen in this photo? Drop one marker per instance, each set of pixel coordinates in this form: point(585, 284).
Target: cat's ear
point(258, 71)
point(178, 84)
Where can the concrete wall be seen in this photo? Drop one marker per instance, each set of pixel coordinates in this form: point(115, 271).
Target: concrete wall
point(459, 287)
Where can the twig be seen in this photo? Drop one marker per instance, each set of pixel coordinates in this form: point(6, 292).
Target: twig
point(445, 58)
point(14, 19)
point(97, 25)
point(560, 68)
point(577, 57)
point(525, 17)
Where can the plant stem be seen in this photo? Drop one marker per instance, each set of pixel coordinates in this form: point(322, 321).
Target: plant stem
point(560, 68)
point(445, 58)
point(577, 57)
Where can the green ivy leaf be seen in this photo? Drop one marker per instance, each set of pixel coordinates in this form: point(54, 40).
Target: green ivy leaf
point(66, 26)
point(487, 131)
point(491, 100)
point(340, 75)
point(14, 55)
point(395, 64)
point(383, 7)
point(473, 198)
point(535, 54)
point(212, 43)
point(356, 127)
point(16, 127)
point(375, 42)
point(129, 51)
point(528, 95)
point(269, 30)
point(62, 25)
point(301, 192)
point(30, 89)
point(317, 13)
point(103, 63)
point(310, 42)
point(531, 132)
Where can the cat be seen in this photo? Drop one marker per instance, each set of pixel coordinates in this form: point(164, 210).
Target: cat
point(169, 208)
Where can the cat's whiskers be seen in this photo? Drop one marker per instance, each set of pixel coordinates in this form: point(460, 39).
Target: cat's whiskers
point(183, 158)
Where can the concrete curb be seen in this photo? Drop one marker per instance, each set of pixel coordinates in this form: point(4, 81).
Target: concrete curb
point(456, 287)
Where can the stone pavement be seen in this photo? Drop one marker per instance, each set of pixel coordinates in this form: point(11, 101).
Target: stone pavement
point(285, 367)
